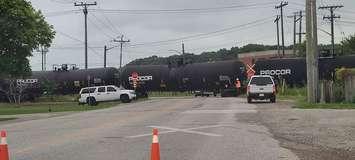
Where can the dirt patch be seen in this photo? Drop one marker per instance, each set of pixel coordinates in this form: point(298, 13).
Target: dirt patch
point(311, 134)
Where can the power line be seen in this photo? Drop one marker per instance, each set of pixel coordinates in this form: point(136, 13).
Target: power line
point(184, 10)
point(99, 28)
point(264, 20)
point(106, 25)
point(186, 38)
point(61, 13)
point(62, 1)
point(110, 23)
point(76, 39)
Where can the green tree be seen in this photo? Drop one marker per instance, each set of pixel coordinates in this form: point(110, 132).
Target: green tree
point(22, 30)
point(348, 45)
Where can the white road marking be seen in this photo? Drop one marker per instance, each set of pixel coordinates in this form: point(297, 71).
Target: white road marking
point(187, 130)
point(234, 111)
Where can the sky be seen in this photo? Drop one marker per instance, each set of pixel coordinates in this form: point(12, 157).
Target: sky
point(158, 27)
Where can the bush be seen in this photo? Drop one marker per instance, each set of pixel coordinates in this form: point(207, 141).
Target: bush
point(293, 91)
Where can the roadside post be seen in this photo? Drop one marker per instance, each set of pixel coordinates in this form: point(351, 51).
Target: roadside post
point(134, 79)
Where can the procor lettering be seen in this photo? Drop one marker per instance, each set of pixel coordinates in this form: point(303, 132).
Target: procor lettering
point(276, 72)
point(142, 78)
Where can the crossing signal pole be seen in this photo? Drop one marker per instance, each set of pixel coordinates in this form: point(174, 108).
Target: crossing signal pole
point(278, 34)
point(283, 4)
point(85, 10)
point(331, 18)
point(312, 51)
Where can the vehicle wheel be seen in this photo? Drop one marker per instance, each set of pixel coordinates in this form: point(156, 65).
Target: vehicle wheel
point(273, 99)
point(91, 101)
point(125, 98)
point(249, 100)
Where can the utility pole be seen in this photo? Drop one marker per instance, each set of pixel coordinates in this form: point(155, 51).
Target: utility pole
point(43, 51)
point(297, 17)
point(294, 32)
point(283, 4)
point(278, 34)
point(312, 51)
point(105, 54)
point(331, 18)
point(183, 53)
point(300, 27)
point(121, 41)
point(85, 10)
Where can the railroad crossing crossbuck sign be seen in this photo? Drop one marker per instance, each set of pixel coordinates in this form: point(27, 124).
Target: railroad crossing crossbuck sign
point(250, 71)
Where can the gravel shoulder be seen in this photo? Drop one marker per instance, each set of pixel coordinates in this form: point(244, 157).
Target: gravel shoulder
point(310, 133)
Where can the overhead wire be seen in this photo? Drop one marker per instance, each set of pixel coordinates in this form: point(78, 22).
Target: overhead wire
point(204, 34)
point(76, 39)
point(184, 10)
point(113, 26)
point(100, 28)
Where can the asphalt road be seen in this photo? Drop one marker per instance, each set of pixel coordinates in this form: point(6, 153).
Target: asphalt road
point(190, 129)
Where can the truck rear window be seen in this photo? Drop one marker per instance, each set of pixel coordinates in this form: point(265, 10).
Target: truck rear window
point(261, 81)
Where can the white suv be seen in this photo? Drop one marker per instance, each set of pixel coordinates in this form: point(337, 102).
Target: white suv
point(92, 95)
point(261, 87)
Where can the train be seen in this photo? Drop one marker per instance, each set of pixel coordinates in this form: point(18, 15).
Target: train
point(294, 70)
point(209, 76)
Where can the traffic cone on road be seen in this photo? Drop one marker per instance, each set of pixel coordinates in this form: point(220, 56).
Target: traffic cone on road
point(155, 152)
point(4, 153)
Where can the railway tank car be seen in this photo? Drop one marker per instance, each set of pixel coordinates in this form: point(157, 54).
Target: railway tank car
point(208, 76)
point(294, 70)
point(150, 77)
point(71, 81)
point(189, 77)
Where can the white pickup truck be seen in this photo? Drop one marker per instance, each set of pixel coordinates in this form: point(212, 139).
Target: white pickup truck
point(92, 95)
point(261, 87)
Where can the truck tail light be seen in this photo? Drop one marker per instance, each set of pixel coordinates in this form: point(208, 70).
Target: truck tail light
point(273, 89)
point(248, 89)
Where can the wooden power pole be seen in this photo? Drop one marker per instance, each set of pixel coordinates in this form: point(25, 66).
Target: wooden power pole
point(282, 4)
point(332, 17)
point(312, 52)
point(278, 34)
point(85, 10)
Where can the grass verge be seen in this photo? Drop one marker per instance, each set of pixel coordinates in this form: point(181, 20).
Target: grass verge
point(303, 104)
point(169, 94)
point(7, 119)
point(298, 95)
point(46, 107)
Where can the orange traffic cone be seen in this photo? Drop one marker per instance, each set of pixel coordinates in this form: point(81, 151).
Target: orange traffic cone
point(155, 152)
point(4, 153)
